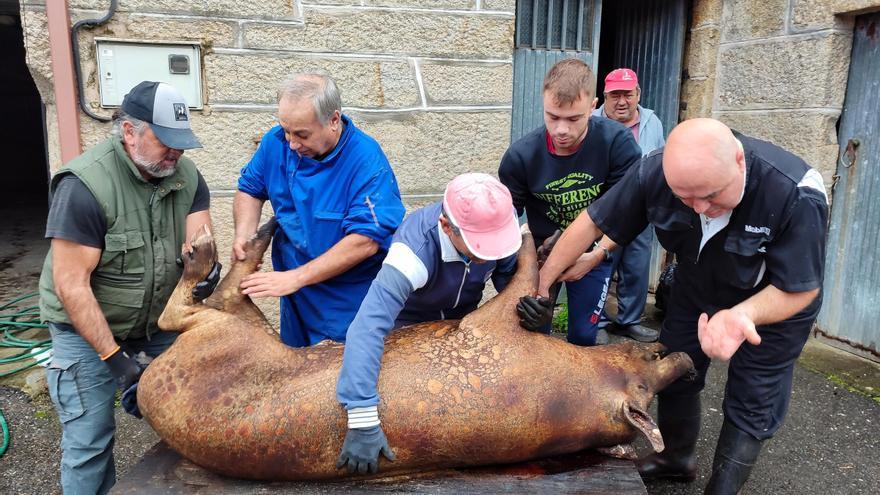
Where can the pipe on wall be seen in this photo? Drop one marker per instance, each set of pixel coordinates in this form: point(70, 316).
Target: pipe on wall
point(64, 81)
point(76, 58)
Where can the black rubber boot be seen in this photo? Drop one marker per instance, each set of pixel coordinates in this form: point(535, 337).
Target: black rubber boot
point(678, 417)
point(735, 455)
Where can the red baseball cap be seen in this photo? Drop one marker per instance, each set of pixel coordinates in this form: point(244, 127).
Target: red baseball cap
point(482, 209)
point(621, 80)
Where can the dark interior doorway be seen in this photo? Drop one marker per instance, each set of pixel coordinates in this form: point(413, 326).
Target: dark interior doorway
point(648, 37)
point(24, 189)
point(22, 132)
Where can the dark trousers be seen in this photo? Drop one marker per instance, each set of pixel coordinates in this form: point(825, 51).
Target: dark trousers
point(759, 378)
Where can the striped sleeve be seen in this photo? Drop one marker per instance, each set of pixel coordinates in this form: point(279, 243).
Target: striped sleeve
point(402, 257)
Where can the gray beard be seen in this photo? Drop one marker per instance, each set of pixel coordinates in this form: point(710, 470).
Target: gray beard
point(153, 169)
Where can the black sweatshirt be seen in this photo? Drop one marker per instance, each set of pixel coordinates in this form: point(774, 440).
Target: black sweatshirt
point(552, 189)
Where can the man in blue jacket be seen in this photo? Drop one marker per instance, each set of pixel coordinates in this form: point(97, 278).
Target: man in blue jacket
point(632, 262)
point(436, 269)
point(337, 204)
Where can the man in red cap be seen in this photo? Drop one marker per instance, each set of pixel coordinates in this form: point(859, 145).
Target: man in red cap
point(436, 269)
point(632, 262)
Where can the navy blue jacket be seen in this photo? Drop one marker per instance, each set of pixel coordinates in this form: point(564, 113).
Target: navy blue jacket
point(775, 235)
point(423, 278)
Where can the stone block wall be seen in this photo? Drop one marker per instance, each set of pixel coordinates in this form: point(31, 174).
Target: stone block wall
point(775, 69)
point(430, 80)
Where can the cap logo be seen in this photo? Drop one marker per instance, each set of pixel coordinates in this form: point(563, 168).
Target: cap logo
point(180, 111)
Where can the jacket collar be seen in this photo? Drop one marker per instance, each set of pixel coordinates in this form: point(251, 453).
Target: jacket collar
point(448, 253)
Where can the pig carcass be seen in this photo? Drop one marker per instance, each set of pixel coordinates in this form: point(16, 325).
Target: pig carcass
point(229, 396)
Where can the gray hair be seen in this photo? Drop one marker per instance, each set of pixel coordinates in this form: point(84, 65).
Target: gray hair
point(319, 88)
point(455, 229)
point(119, 117)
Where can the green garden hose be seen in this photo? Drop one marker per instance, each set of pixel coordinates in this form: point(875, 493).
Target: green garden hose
point(16, 318)
point(5, 428)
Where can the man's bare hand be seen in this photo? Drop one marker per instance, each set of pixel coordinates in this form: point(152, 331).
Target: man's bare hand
point(582, 266)
point(238, 252)
point(270, 284)
point(547, 246)
point(721, 336)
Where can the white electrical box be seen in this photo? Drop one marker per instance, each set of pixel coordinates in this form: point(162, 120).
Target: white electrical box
point(124, 64)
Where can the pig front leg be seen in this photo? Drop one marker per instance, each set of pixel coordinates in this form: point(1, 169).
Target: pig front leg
point(228, 297)
point(198, 260)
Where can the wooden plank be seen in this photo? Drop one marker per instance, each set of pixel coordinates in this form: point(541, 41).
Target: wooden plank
point(586, 473)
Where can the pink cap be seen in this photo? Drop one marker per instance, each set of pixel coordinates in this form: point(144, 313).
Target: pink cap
point(482, 209)
point(621, 80)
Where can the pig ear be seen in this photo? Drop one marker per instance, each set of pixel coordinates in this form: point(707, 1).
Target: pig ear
point(643, 421)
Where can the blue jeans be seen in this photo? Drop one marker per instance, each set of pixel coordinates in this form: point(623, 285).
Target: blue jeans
point(83, 391)
point(586, 301)
point(632, 263)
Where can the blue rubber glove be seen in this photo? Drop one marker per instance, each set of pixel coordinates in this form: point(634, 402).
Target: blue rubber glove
point(129, 401)
point(125, 370)
point(361, 448)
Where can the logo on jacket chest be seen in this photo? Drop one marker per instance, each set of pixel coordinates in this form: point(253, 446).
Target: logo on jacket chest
point(757, 230)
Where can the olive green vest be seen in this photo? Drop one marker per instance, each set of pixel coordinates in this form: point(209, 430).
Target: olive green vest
point(146, 225)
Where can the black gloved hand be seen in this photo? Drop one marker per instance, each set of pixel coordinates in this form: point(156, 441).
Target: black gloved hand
point(535, 313)
point(547, 246)
point(129, 401)
point(126, 370)
point(206, 287)
point(361, 448)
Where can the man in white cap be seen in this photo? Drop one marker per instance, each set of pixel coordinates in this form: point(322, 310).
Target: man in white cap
point(436, 269)
point(119, 215)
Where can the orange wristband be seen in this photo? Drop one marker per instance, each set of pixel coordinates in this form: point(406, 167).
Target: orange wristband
point(109, 354)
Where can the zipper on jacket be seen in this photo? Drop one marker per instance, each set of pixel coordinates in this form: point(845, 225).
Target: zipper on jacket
point(467, 269)
point(152, 198)
point(153, 195)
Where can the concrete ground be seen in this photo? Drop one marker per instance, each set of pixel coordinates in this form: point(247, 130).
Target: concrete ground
point(828, 444)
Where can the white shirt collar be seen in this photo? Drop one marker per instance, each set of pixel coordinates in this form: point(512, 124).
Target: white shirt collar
point(712, 226)
point(448, 252)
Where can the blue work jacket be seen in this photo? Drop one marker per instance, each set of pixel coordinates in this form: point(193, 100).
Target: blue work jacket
point(352, 190)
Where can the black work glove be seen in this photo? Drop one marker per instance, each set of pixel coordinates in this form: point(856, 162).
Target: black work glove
point(535, 313)
point(129, 401)
point(361, 448)
point(206, 287)
point(126, 370)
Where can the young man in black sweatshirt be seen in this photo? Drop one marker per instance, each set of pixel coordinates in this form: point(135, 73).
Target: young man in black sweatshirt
point(554, 173)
